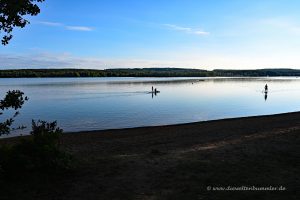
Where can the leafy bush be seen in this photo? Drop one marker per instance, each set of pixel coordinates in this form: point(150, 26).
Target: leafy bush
point(13, 100)
point(41, 152)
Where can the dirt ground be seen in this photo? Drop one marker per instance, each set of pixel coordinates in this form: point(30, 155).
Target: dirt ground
point(251, 158)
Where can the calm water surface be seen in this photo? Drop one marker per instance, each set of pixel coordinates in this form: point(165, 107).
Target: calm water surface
point(104, 103)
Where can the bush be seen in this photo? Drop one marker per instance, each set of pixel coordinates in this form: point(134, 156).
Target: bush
point(13, 100)
point(41, 152)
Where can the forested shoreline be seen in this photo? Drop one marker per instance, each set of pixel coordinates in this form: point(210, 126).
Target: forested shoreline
point(144, 72)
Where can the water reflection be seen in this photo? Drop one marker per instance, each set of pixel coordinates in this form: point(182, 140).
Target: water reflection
point(266, 96)
point(266, 92)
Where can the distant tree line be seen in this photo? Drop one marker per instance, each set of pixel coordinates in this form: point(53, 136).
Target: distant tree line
point(257, 73)
point(145, 72)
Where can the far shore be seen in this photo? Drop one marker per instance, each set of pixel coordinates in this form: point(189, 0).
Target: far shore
point(185, 161)
point(145, 72)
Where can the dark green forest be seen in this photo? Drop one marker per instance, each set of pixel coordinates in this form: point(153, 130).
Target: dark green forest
point(145, 72)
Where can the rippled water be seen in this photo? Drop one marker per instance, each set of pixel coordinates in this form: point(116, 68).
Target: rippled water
point(107, 103)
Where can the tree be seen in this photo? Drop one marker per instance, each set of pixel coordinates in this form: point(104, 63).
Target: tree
point(42, 150)
point(13, 100)
point(11, 15)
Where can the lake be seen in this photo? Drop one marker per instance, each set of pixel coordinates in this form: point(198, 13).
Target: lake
point(80, 104)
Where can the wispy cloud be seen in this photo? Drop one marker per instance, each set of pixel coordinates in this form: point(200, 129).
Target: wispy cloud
point(79, 28)
point(50, 23)
point(72, 28)
point(66, 60)
point(186, 29)
point(188, 60)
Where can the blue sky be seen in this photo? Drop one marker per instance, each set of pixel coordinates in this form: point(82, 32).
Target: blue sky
point(206, 34)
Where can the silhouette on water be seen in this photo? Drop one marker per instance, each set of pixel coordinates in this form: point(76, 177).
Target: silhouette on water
point(154, 92)
point(266, 92)
point(266, 96)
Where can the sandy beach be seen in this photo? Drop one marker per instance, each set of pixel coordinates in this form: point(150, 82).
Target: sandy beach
point(187, 161)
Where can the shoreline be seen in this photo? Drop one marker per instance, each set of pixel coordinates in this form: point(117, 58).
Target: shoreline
point(181, 125)
point(144, 72)
point(293, 76)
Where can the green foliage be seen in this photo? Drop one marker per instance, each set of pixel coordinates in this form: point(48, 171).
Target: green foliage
point(11, 15)
point(40, 153)
point(256, 73)
point(46, 133)
point(13, 100)
point(51, 73)
point(144, 72)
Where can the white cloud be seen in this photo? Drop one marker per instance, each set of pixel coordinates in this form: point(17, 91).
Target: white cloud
point(188, 60)
point(178, 28)
point(50, 23)
point(79, 28)
point(72, 28)
point(201, 33)
point(186, 29)
point(66, 60)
